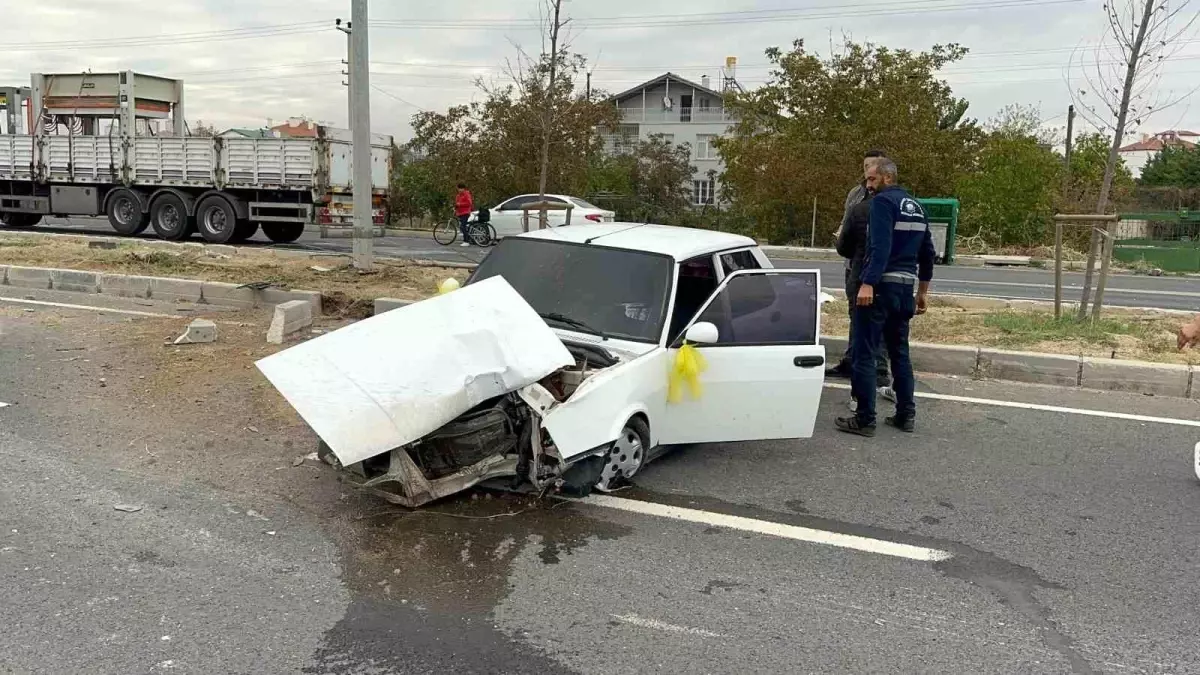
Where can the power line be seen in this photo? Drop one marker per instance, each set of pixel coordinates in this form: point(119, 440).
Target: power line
point(247, 33)
point(393, 96)
point(618, 23)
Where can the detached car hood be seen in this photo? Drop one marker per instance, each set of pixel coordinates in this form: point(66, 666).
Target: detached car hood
point(387, 381)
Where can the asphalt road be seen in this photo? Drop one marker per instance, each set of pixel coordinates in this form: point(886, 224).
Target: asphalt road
point(1071, 540)
point(1170, 292)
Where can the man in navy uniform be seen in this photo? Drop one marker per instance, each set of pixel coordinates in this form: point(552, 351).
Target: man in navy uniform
point(899, 257)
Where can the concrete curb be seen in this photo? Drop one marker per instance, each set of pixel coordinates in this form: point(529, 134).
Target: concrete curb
point(157, 288)
point(981, 363)
point(1159, 379)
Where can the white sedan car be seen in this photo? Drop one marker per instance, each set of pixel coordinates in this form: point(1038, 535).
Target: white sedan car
point(551, 366)
point(508, 215)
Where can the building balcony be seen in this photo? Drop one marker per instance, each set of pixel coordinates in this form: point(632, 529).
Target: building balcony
point(676, 116)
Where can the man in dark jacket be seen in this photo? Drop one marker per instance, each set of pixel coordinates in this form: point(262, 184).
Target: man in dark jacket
point(899, 256)
point(851, 245)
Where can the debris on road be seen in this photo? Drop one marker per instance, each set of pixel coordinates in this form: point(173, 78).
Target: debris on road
point(127, 508)
point(200, 331)
point(255, 514)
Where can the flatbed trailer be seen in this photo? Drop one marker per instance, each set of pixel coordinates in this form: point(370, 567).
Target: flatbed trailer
point(225, 187)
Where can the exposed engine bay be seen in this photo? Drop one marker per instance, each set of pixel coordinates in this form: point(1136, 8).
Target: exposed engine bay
point(501, 437)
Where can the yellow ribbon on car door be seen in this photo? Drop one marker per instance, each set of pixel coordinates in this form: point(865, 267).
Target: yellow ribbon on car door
point(685, 371)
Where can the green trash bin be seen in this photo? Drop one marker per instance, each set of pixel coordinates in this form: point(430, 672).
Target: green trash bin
point(942, 215)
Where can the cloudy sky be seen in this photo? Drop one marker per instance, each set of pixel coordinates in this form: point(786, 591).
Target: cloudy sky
point(249, 61)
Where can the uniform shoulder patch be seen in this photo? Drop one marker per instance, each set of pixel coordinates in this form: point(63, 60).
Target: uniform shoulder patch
point(911, 207)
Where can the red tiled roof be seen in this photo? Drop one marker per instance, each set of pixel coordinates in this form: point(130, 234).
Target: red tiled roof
point(1156, 143)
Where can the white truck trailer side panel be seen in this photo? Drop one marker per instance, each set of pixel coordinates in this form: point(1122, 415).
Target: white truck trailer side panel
point(16, 157)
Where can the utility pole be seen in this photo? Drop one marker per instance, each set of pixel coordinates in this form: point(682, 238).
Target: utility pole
point(1058, 226)
point(589, 86)
point(360, 125)
point(348, 84)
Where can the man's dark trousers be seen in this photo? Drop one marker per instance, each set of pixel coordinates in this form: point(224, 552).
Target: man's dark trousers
point(885, 320)
point(881, 363)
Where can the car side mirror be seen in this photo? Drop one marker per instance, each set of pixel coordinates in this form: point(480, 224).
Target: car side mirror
point(703, 333)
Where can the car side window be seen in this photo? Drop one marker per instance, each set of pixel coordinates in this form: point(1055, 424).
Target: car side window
point(513, 204)
point(697, 281)
point(738, 260)
point(772, 308)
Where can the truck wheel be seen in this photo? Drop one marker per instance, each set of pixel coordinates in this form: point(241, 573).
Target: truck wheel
point(244, 230)
point(216, 220)
point(125, 213)
point(626, 456)
point(168, 217)
point(20, 220)
point(283, 233)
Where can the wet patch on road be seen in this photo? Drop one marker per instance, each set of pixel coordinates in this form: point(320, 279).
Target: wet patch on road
point(425, 582)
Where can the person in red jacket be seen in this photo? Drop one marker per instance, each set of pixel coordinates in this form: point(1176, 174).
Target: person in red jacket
point(463, 206)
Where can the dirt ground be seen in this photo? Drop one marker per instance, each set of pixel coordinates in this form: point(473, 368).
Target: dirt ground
point(1137, 336)
point(344, 286)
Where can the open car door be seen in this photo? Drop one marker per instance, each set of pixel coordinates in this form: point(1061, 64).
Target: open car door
point(766, 367)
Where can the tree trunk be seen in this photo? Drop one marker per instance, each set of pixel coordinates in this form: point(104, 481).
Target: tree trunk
point(1110, 167)
point(548, 111)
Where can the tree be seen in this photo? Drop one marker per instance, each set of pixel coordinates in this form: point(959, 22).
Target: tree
point(1173, 166)
point(200, 128)
point(803, 134)
point(495, 144)
point(1008, 197)
point(555, 57)
point(1121, 91)
point(652, 181)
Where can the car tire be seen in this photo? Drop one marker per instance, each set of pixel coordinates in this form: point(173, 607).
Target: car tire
point(216, 220)
point(283, 233)
point(627, 455)
point(125, 214)
point(168, 217)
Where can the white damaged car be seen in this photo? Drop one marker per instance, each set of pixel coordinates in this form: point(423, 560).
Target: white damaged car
point(552, 365)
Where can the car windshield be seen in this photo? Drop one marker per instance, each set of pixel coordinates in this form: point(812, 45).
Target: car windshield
point(589, 289)
point(582, 204)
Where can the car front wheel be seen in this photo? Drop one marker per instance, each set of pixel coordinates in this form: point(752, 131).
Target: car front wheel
point(626, 456)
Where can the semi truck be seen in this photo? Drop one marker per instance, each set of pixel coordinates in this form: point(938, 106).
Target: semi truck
point(57, 159)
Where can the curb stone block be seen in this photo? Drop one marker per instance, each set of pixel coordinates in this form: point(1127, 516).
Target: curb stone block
point(30, 277)
point(1160, 379)
point(4, 275)
point(387, 304)
point(999, 364)
point(221, 249)
point(125, 286)
point(229, 295)
point(276, 296)
point(200, 331)
point(290, 318)
point(944, 359)
point(175, 290)
point(72, 280)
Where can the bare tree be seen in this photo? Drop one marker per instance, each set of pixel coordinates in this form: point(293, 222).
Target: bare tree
point(1120, 87)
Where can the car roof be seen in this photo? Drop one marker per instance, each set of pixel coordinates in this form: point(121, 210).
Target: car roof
point(681, 243)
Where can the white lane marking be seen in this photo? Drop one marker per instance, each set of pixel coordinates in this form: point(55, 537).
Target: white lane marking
point(63, 305)
point(838, 539)
point(662, 625)
point(1198, 460)
point(3, 405)
point(1043, 408)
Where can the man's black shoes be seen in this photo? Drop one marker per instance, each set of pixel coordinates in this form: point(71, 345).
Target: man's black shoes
point(904, 424)
point(841, 371)
point(851, 425)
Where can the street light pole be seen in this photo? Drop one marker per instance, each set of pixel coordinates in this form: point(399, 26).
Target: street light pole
point(360, 125)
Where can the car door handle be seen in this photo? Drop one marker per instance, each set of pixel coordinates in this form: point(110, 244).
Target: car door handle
point(809, 361)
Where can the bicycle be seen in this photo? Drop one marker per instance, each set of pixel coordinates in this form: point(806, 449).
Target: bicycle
point(479, 233)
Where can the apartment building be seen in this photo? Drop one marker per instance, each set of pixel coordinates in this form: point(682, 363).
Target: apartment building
point(685, 112)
